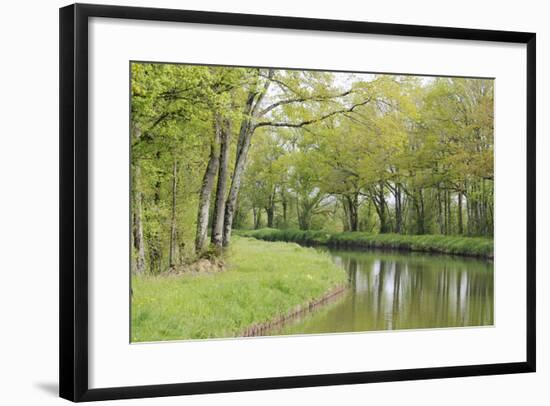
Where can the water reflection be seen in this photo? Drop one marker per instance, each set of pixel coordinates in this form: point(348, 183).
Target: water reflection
point(404, 290)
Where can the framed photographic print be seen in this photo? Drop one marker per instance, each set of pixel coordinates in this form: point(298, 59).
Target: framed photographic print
point(256, 202)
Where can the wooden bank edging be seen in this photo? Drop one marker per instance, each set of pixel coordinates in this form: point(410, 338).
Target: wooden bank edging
point(260, 328)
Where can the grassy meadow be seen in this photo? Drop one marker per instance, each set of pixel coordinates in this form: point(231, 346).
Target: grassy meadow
point(262, 281)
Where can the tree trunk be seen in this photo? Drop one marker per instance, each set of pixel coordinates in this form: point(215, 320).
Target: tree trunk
point(468, 208)
point(449, 214)
point(257, 212)
point(270, 208)
point(254, 216)
point(284, 203)
point(440, 212)
point(206, 192)
point(301, 214)
point(345, 207)
point(304, 221)
point(352, 211)
point(243, 144)
point(173, 226)
point(269, 211)
point(156, 196)
point(483, 208)
point(139, 243)
point(422, 214)
point(445, 211)
point(383, 219)
point(380, 204)
point(419, 205)
point(460, 225)
point(398, 210)
point(219, 206)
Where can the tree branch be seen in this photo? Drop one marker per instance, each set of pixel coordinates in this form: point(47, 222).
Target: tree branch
point(303, 99)
point(312, 121)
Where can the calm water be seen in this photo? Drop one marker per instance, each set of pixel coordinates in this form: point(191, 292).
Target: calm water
point(403, 290)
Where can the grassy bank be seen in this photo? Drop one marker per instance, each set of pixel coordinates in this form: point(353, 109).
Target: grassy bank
point(471, 246)
point(262, 281)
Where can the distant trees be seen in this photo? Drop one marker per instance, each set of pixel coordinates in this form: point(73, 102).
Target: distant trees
point(418, 156)
point(216, 147)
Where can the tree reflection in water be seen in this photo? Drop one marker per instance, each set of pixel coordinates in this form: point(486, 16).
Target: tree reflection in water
point(390, 291)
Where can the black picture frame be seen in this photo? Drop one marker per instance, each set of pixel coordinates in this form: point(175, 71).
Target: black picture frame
point(73, 254)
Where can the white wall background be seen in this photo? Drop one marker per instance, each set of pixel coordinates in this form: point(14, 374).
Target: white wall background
point(29, 206)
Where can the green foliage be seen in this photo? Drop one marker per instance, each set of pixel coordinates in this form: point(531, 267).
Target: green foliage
point(416, 158)
point(328, 152)
point(262, 281)
point(457, 245)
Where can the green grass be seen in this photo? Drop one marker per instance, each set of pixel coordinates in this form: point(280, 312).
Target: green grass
point(456, 245)
point(262, 281)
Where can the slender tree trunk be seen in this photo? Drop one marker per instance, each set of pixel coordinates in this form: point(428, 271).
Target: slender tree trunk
point(345, 207)
point(445, 211)
point(301, 214)
point(173, 225)
point(398, 210)
point(490, 214)
point(270, 209)
point(355, 225)
point(483, 208)
point(368, 223)
point(139, 243)
point(379, 201)
point(156, 196)
point(440, 212)
point(449, 213)
point(352, 209)
point(467, 195)
point(284, 203)
point(254, 216)
point(206, 192)
point(219, 206)
point(269, 212)
point(422, 213)
point(420, 221)
point(257, 217)
point(382, 209)
point(460, 224)
point(475, 208)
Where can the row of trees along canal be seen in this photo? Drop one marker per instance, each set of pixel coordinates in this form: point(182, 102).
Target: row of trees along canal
point(217, 148)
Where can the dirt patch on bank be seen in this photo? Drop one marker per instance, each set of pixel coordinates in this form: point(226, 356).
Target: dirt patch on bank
point(203, 265)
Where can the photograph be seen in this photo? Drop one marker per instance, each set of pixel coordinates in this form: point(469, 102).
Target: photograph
point(274, 202)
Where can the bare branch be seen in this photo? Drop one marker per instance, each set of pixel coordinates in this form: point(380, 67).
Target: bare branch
point(303, 99)
point(312, 121)
point(262, 93)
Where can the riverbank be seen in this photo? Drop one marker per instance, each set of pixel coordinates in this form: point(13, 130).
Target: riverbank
point(455, 245)
point(262, 283)
point(261, 328)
